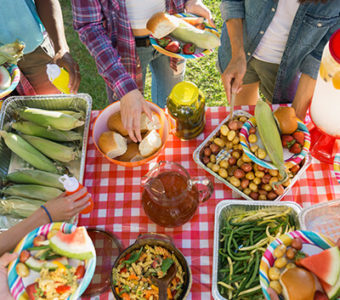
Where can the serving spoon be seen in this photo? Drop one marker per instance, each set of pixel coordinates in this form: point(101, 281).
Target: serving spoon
point(163, 282)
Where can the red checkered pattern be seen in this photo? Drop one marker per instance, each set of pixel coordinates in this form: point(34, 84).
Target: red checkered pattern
point(116, 192)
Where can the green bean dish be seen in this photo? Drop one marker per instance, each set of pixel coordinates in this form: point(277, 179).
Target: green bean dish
point(243, 238)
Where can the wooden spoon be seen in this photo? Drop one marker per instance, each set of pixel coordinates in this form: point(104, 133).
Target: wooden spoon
point(163, 282)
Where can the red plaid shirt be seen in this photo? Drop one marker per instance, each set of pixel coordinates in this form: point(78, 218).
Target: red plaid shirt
point(103, 26)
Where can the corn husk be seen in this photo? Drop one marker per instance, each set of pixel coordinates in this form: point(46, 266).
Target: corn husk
point(19, 207)
point(32, 191)
point(11, 53)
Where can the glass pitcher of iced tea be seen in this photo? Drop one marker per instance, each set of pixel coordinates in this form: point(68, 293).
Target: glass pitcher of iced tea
point(170, 196)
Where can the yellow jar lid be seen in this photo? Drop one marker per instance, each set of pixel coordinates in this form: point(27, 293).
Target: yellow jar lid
point(184, 93)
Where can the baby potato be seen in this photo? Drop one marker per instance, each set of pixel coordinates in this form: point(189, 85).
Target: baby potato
point(235, 181)
point(207, 151)
point(291, 253)
point(257, 180)
point(252, 138)
point(273, 173)
point(245, 158)
point(290, 265)
point(219, 142)
point(206, 159)
point(297, 244)
point(247, 191)
point(280, 251)
point(232, 161)
point(214, 148)
point(233, 125)
point(224, 130)
point(250, 175)
point(243, 119)
point(271, 195)
point(253, 187)
point(262, 197)
point(239, 162)
point(276, 286)
point(266, 178)
point(244, 183)
point(224, 163)
point(231, 135)
point(261, 153)
point(259, 174)
point(254, 195)
point(209, 165)
point(273, 179)
point(267, 187)
point(22, 270)
point(215, 168)
point(236, 154)
point(213, 158)
point(239, 173)
point(254, 148)
point(287, 182)
point(280, 262)
point(236, 140)
point(239, 147)
point(274, 273)
point(229, 145)
point(246, 167)
point(223, 173)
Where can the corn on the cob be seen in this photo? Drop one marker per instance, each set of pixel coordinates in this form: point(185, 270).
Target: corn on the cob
point(27, 152)
point(36, 177)
point(12, 52)
point(19, 207)
point(270, 137)
point(30, 128)
point(49, 118)
point(80, 115)
point(32, 191)
point(52, 149)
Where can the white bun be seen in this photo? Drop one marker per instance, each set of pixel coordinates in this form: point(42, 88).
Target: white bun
point(131, 154)
point(150, 144)
point(112, 144)
point(161, 24)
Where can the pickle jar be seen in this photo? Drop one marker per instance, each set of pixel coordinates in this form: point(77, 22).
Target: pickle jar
point(186, 105)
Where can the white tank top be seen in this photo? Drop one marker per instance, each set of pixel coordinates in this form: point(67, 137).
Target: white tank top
point(140, 11)
point(273, 42)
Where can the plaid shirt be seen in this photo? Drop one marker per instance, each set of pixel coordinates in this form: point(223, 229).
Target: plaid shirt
point(103, 26)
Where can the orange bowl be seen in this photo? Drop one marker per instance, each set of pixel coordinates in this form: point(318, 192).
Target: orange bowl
point(100, 126)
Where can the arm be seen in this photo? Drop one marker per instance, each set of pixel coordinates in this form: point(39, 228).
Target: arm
point(61, 208)
point(232, 76)
point(303, 96)
point(197, 7)
point(88, 22)
point(50, 14)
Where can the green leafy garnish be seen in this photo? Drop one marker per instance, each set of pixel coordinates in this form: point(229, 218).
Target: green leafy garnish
point(166, 264)
point(134, 257)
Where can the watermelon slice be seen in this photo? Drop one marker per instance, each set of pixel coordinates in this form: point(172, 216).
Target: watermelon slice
point(325, 265)
point(74, 245)
point(333, 292)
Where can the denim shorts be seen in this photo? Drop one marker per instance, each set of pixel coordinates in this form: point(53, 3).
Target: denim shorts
point(164, 78)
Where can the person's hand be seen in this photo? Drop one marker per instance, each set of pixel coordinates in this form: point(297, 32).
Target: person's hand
point(272, 294)
point(196, 7)
point(233, 75)
point(4, 261)
point(64, 59)
point(64, 207)
point(132, 105)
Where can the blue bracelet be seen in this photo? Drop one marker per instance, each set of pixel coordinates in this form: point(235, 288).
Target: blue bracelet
point(47, 212)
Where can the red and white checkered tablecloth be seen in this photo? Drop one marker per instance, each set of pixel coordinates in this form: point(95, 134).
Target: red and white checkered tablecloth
point(116, 192)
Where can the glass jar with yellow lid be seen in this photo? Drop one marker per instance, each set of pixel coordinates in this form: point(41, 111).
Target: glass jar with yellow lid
point(186, 105)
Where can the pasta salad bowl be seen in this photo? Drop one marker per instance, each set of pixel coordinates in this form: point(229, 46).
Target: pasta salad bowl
point(150, 256)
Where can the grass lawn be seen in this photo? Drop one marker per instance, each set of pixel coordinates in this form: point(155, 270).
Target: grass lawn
point(201, 71)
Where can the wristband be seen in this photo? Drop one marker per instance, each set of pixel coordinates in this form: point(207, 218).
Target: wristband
point(47, 212)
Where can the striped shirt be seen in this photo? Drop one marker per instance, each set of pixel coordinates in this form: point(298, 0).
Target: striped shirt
point(104, 28)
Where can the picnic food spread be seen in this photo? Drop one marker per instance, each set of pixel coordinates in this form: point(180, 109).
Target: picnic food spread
point(259, 247)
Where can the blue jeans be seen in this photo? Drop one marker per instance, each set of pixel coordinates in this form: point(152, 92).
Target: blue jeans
point(163, 77)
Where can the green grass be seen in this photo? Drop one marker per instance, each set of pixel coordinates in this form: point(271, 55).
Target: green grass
point(201, 71)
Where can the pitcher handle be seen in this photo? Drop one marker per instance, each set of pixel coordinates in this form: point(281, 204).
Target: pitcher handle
point(206, 189)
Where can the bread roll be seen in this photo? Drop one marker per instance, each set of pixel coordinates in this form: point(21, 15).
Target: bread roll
point(150, 144)
point(112, 144)
point(161, 24)
point(286, 119)
point(114, 123)
point(132, 153)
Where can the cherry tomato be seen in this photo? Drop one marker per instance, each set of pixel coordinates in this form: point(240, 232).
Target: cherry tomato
point(80, 271)
point(61, 289)
point(24, 255)
point(37, 240)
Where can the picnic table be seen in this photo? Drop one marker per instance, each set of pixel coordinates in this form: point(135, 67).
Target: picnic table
point(117, 192)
